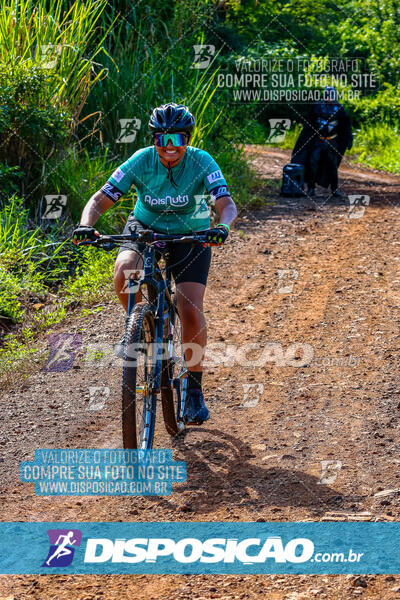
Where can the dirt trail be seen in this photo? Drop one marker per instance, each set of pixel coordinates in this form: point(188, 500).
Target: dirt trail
point(259, 459)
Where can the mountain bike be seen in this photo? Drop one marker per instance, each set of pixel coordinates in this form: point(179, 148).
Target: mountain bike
point(154, 360)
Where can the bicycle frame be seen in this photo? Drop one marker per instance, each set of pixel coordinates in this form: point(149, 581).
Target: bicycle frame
point(162, 286)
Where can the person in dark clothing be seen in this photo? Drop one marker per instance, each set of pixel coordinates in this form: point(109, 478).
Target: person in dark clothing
point(322, 143)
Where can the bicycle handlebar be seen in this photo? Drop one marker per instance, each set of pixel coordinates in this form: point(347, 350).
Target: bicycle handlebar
point(147, 236)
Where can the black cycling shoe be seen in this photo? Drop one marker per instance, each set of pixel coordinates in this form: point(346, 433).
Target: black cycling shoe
point(311, 191)
point(196, 411)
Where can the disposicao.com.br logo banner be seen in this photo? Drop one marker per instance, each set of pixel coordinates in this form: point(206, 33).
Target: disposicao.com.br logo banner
point(184, 547)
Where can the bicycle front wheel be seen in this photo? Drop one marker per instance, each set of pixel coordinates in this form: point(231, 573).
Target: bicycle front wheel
point(139, 397)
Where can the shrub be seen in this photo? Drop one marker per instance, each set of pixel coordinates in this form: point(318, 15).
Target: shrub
point(30, 126)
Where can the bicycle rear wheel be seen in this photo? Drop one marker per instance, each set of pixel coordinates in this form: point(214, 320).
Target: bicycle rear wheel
point(138, 396)
point(173, 368)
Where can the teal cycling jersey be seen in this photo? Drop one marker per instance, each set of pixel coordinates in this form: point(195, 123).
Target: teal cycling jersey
point(171, 200)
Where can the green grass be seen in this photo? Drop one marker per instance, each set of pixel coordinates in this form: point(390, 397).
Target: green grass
point(49, 55)
point(93, 280)
point(377, 146)
point(33, 266)
point(91, 284)
point(66, 43)
point(30, 261)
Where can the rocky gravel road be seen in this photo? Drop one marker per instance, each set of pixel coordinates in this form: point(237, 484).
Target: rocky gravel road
point(305, 412)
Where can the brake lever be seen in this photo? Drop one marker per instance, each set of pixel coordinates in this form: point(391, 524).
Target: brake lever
point(186, 239)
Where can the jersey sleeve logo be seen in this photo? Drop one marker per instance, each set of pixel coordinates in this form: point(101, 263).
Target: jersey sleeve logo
point(118, 175)
point(111, 191)
point(214, 176)
point(218, 192)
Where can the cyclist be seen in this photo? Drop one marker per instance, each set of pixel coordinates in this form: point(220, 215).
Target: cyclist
point(171, 179)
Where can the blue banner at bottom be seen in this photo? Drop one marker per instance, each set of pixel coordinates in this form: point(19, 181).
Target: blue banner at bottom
point(197, 548)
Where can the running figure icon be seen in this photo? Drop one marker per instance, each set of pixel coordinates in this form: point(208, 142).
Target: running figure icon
point(62, 549)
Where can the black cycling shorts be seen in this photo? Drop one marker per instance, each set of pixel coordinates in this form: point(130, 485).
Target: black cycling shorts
point(194, 261)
